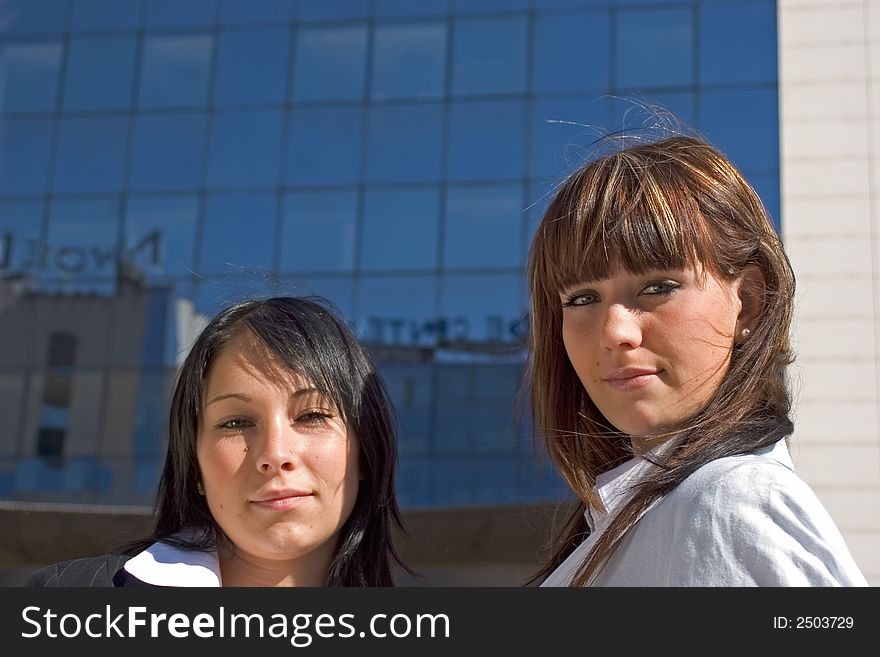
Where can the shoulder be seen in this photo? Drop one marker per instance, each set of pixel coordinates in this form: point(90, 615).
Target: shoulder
point(87, 571)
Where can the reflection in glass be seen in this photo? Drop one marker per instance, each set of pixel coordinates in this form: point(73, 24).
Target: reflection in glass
point(24, 155)
point(251, 67)
point(176, 71)
point(245, 149)
point(99, 73)
point(655, 48)
point(21, 228)
point(168, 152)
point(485, 307)
point(483, 226)
point(405, 143)
point(399, 311)
point(238, 233)
point(160, 235)
point(411, 387)
point(411, 217)
point(12, 390)
point(486, 140)
point(337, 290)
point(409, 60)
point(489, 55)
point(318, 231)
point(83, 238)
point(29, 76)
point(330, 63)
point(91, 154)
point(571, 52)
point(324, 146)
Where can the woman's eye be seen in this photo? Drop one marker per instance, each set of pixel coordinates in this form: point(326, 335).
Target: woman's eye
point(314, 417)
point(581, 299)
point(661, 288)
point(234, 424)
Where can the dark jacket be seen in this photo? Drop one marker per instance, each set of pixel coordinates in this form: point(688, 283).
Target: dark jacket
point(105, 570)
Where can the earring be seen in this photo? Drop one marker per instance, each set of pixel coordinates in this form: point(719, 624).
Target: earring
point(745, 333)
point(199, 489)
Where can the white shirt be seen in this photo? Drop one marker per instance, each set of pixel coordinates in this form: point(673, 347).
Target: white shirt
point(165, 565)
point(745, 520)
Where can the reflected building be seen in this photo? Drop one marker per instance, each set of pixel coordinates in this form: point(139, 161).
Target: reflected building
point(159, 159)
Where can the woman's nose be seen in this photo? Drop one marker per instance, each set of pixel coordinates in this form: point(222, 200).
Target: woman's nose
point(621, 328)
point(277, 450)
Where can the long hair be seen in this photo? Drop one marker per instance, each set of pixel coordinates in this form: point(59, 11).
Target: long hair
point(312, 343)
point(675, 203)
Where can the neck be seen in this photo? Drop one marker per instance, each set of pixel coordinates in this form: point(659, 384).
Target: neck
point(240, 569)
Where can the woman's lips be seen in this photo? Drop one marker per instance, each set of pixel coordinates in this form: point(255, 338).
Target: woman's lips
point(281, 501)
point(631, 378)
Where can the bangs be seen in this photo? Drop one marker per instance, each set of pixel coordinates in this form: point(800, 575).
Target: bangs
point(623, 214)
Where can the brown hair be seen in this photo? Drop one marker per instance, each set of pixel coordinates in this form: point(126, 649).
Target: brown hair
point(670, 204)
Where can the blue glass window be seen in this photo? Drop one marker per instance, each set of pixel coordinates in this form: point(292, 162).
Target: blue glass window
point(330, 63)
point(570, 4)
point(338, 9)
point(399, 8)
point(655, 48)
point(176, 71)
point(411, 389)
point(251, 67)
point(671, 110)
point(745, 125)
point(738, 44)
point(411, 217)
point(83, 238)
point(100, 15)
point(324, 146)
point(99, 73)
point(409, 60)
point(571, 52)
point(489, 56)
point(480, 6)
point(168, 152)
point(33, 16)
point(767, 187)
point(486, 140)
point(21, 227)
point(485, 307)
point(173, 13)
point(483, 226)
point(238, 233)
point(220, 290)
point(91, 154)
point(563, 133)
point(245, 149)
point(160, 234)
point(398, 310)
point(405, 143)
point(473, 481)
point(24, 156)
point(318, 231)
point(29, 76)
point(338, 290)
point(255, 11)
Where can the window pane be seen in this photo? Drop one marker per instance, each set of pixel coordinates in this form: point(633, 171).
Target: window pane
point(564, 132)
point(239, 233)
point(572, 52)
point(29, 76)
point(33, 16)
point(411, 389)
point(99, 15)
point(160, 235)
point(737, 44)
point(409, 60)
point(318, 232)
point(83, 238)
point(176, 71)
point(483, 226)
point(21, 232)
point(398, 310)
point(484, 307)
point(486, 140)
point(220, 290)
point(24, 156)
point(405, 143)
point(324, 146)
point(468, 481)
point(255, 11)
point(338, 290)
point(745, 125)
point(479, 6)
point(245, 149)
point(489, 56)
point(655, 48)
point(330, 63)
point(99, 73)
point(251, 67)
point(91, 154)
point(323, 10)
point(173, 13)
point(399, 8)
point(168, 152)
point(411, 217)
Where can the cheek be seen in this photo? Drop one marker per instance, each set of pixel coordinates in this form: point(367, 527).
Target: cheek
point(581, 352)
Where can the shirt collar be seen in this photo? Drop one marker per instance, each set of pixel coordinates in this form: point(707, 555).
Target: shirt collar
point(162, 564)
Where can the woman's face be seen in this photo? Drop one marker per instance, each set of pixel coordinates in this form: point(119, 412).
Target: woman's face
point(279, 467)
point(650, 349)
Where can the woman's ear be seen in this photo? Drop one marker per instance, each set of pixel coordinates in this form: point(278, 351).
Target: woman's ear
point(752, 288)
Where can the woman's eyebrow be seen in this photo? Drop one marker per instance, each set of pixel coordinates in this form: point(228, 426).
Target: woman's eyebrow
point(231, 395)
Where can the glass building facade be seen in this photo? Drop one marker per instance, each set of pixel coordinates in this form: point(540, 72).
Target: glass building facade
point(159, 159)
